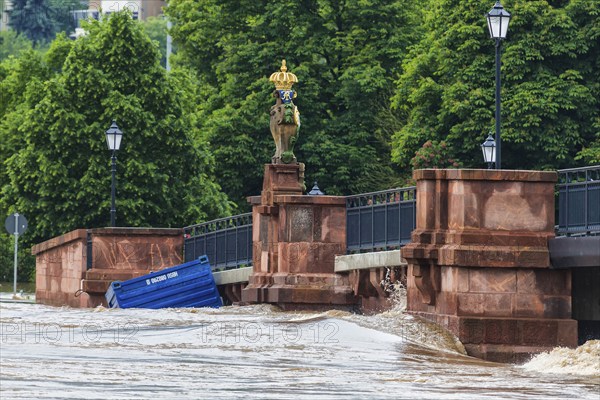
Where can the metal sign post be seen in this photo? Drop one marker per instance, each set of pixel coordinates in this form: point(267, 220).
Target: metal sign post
point(15, 224)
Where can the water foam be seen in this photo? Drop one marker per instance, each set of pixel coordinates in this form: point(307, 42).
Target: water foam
point(396, 321)
point(584, 360)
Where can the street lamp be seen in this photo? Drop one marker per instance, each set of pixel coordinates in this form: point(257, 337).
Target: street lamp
point(315, 191)
point(498, 19)
point(113, 140)
point(489, 151)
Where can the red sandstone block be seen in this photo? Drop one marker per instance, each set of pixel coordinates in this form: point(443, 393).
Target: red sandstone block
point(331, 227)
point(498, 238)
point(541, 306)
point(40, 281)
point(40, 295)
point(549, 282)
point(471, 330)
point(54, 269)
point(79, 234)
point(533, 258)
point(557, 306)
point(95, 286)
point(484, 304)
point(528, 305)
point(501, 331)
point(256, 217)
point(54, 284)
point(321, 257)
point(293, 257)
point(131, 249)
point(273, 262)
point(463, 281)
point(274, 231)
point(491, 280)
point(447, 303)
point(454, 279)
point(566, 333)
point(78, 273)
point(492, 256)
point(57, 299)
point(538, 332)
point(276, 295)
point(69, 285)
point(41, 268)
point(112, 274)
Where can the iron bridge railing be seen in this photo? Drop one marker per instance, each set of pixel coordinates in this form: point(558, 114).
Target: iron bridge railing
point(380, 221)
point(227, 241)
point(579, 201)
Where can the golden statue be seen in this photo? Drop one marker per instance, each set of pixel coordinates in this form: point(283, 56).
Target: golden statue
point(285, 117)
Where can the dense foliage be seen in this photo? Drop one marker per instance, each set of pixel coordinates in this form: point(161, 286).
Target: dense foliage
point(12, 44)
point(346, 54)
point(25, 261)
point(550, 84)
point(433, 155)
point(41, 20)
point(55, 109)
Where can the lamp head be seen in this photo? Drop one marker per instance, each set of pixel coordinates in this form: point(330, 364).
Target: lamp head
point(498, 19)
point(113, 137)
point(489, 150)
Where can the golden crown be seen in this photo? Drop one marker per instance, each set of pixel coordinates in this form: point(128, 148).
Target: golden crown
point(283, 80)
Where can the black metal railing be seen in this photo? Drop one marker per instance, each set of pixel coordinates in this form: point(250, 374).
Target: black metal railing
point(380, 221)
point(579, 201)
point(227, 242)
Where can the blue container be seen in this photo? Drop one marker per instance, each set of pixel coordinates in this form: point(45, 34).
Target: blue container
point(187, 285)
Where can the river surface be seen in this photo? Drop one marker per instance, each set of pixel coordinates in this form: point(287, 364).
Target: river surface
point(259, 352)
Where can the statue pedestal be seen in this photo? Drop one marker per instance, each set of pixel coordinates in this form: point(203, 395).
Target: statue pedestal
point(478, 263)
point(295, 240)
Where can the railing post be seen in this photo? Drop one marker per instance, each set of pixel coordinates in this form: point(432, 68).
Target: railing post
point(585, 203)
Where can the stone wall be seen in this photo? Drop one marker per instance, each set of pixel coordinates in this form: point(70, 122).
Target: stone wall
point(65, 275)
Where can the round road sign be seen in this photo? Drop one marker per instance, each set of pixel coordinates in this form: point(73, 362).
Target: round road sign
point(15, 222)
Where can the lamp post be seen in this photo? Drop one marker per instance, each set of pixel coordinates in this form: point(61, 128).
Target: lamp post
point(489, 151)
point(498, 19)
point(113, 140)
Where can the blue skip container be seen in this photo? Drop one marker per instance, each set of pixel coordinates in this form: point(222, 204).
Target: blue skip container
point(186, 285)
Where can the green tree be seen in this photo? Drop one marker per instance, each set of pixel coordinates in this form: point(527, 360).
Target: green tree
point(34, 19)
point(25, 261)
point(62, 13)
point(12, 44)
point(550, 96)
point(56, 170)
point(346, 54)
point(433, 155)
point(41, 20)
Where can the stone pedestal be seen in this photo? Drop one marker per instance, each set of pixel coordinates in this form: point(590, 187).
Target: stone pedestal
point(479, 262)
point(295, 240)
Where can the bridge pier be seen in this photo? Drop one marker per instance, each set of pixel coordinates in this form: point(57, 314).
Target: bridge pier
point(295, 239)
point(479, 262)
